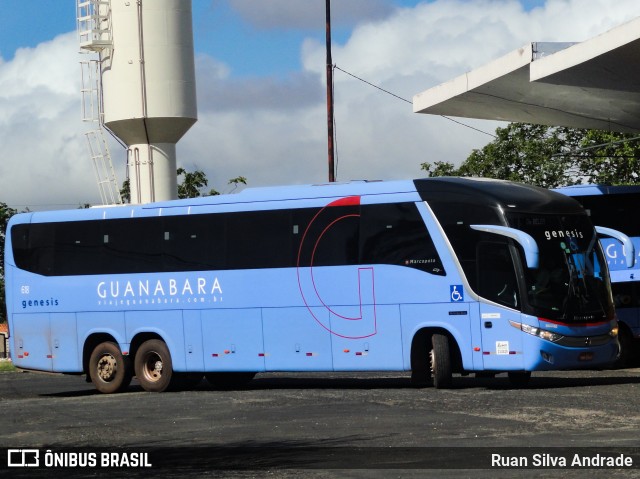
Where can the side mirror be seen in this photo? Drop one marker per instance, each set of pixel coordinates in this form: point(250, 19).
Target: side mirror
point(529, 245)
point(627, 244)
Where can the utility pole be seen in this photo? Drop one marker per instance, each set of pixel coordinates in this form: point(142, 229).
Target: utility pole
point(332, 174)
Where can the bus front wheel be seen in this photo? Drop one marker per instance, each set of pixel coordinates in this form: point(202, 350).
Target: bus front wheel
point(440, 358)
point(109, 369)
point(153, 366)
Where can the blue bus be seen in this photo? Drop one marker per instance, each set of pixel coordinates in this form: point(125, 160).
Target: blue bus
point(616, 207)
point(434, 276)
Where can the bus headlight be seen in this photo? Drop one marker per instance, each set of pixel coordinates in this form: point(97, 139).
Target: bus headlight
point(541, 333)
point(614, 331)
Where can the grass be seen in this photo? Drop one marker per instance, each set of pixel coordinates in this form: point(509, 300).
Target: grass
point(7, 366)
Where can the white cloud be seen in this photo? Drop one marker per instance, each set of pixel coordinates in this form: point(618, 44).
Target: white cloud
point(43, 158)
point(418, 48)
point(273, 130)
point(309, 14)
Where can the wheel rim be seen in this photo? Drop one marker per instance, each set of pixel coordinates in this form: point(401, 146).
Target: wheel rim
point(153, 367)
point(107, 367)
point(432, 362)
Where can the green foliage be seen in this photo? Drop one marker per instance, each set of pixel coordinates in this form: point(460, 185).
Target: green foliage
point(125, 191)
point(237, 181)
point(607, 159)
point(191, 183)
point(7, 367)
point(189, 186)
point(550, 157)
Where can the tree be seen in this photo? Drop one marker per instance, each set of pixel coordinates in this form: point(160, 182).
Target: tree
point(550, 157)
point(5, 214)
point(192, 183)
point(125, 191)
point(190, 187)
point(608, 158)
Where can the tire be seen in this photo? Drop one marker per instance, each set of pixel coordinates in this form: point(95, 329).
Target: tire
point(519, 379)
point(153, 366)
point(440, 357)
point(109, 370)
point(626, 348)
point(228, 380)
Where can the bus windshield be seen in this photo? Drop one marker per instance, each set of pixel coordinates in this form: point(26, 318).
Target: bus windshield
point(570, 283)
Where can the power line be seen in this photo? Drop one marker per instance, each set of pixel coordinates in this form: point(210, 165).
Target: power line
point(572, 153)
point(371, 84)
point(408, 101)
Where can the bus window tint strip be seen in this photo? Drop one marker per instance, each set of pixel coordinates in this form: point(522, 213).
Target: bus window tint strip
point(342, 235)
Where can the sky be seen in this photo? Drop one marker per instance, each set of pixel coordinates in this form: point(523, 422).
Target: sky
point(260, 74)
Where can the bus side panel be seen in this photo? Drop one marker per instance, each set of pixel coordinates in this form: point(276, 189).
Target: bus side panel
point(452, 317)
point(64, 343)
point(381, 350)
point(232, 340)
point(297, 339)
point(32, 337)
point(102, 322)
point(193, 340)
point(167, 324)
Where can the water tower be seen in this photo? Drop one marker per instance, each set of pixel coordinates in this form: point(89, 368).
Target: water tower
point(148, 93)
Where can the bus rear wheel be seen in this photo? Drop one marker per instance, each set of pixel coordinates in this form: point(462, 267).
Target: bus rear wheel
point(109, 369)
point(440, 359)
point(153, 366)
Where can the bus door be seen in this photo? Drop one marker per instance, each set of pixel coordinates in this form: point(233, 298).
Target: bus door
point(497, 285)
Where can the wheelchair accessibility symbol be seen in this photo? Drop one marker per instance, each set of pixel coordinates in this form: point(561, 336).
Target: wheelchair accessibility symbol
point(456, 293)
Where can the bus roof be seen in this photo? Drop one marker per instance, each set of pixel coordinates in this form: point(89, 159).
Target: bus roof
point(594, 190)
point(499, 193)
point(478, 190)
point(249, 198)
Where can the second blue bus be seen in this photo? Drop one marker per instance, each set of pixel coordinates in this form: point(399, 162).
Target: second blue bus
point(616, 207)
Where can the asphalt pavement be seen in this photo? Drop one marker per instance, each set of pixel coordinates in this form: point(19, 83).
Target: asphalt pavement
point(335, 425)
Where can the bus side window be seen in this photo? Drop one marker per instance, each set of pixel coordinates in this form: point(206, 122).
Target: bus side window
point(259, 239)
point(132, 246)
point(396, 234)
point(41, 242)
point(331, 236)
point(20, 246)
point(77, 247)
point(497, 280)
point(193, 242)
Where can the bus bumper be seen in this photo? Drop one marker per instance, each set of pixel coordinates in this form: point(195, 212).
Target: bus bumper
point(548, 356)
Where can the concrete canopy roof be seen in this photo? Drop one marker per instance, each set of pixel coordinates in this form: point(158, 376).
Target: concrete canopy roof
point(594, 84)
